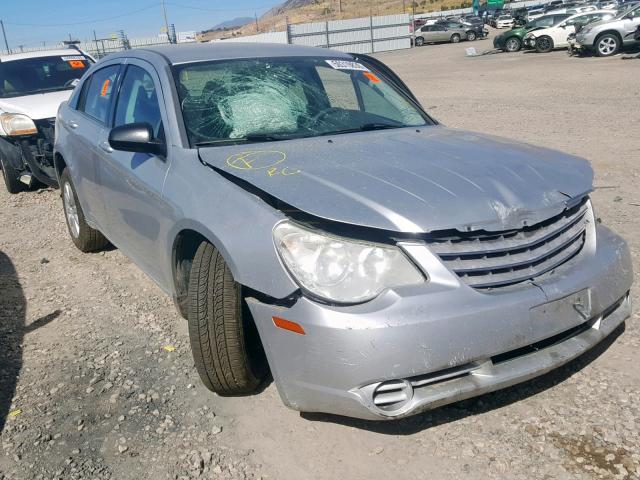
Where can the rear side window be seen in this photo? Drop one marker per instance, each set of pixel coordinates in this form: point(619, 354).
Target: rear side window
point(95, 99)
point(138, 100)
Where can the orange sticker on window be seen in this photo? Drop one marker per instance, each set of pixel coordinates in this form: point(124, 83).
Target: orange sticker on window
point(105, 88)
point(371, 77)
point(76, 64)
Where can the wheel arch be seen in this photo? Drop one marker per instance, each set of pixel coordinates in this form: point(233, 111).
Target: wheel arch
point(59, 164)
point(605, 32)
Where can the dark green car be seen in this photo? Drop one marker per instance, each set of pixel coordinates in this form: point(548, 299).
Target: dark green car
point(511, 40)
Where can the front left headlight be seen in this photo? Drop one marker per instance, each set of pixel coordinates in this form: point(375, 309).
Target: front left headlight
point(15, 124)
point(341, 270)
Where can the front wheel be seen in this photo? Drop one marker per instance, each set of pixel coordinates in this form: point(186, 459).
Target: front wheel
point(224, 340)
point(455, 38)
point(85, 238)
point(471, 36)
point(419, 41)
point(513, 44)
point(607, 45)
point(11, 178)
point(544, 44)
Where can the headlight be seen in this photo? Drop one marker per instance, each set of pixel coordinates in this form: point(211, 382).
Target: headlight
point(17, 124)
point(584, 30)
point(342, 270)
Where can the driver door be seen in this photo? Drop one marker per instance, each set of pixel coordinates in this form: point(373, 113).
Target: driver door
point(132, 183)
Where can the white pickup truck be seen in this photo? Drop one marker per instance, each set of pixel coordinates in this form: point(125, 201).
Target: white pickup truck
point(32, 87)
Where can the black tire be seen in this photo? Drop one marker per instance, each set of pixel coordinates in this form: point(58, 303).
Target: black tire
point(512, 44)
point(85, 238)
point(471, 35)
point(607, 45)
point(544, 44)
point(419, 41)
point(225, 343)
point(455, 38)
point(11, 178)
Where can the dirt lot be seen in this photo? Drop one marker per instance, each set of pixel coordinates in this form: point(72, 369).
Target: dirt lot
point(97, 381)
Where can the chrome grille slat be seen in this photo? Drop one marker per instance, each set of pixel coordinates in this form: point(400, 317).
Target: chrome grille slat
point(515, 239)
point(491, 260)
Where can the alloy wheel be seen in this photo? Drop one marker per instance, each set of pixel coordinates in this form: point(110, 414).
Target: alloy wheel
point(607, 46)
point(71, 210)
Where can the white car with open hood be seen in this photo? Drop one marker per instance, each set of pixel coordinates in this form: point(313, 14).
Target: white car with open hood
point(32, 87)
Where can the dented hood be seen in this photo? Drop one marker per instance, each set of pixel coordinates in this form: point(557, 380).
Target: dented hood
point(407, 180)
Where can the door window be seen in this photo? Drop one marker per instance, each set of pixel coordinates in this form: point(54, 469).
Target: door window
point(138, 100)
point(95, 100)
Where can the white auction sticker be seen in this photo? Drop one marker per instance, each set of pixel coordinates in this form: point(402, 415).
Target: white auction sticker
point(347, 65)
point(72, 58)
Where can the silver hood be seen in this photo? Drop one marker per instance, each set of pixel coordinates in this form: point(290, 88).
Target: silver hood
point(411, 181)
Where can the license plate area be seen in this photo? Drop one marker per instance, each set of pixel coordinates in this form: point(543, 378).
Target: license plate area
point(565, 312)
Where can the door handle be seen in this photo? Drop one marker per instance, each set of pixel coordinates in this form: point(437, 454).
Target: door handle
point(72, 124)
point(105, 147)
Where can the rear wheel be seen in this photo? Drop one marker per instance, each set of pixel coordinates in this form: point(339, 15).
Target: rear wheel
point(471, 35)
point(607, 45)
point(513, 44)
point(84, 237)
point(419, 41)
point(544, 44)
point(225, 343)
point(11, 177)
point(455, 38)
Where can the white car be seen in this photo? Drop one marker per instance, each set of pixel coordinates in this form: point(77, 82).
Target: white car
point(504, 21)
point(32, 87)
point(535, 13)
point(547, 39)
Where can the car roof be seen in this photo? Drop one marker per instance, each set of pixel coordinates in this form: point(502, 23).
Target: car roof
point(203, 52)
point(39, 54)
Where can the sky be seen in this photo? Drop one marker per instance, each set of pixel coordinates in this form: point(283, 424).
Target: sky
point(32, 22)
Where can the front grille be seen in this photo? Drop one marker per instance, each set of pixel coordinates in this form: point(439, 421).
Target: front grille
point(498, 259)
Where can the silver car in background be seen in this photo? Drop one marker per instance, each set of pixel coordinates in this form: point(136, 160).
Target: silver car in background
point(607, 37)
point(438, 33)
point(311, 220)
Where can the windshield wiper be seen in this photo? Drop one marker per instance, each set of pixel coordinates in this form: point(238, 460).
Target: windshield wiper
point(367, 127)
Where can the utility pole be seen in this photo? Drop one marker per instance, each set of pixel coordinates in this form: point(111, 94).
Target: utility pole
point(404, 7)
point(4, 34)
point(256, 17)
point(166, 22)
point(340, 6)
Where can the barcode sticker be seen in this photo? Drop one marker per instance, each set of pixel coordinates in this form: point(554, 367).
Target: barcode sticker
point(347, 65)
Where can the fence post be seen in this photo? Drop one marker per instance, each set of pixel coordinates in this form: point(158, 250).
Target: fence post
point(326, 29)
point(286, 19)
point(371, 32)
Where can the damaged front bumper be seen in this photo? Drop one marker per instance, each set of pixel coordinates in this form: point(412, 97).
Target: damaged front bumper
point(418, 348)
point(32, 155)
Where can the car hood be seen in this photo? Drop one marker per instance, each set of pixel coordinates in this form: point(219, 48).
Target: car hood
point(38, 106)
point(410, 180)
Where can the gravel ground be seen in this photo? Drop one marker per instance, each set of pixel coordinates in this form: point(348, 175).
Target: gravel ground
point(96, 374)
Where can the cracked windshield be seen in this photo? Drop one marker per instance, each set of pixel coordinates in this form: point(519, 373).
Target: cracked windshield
point(243, 101)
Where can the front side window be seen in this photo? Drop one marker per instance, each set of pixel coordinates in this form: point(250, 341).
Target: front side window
point(95, 98)
point(240, 101)
point(138, 100)
point(41, 75)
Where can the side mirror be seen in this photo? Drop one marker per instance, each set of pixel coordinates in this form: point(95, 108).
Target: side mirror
point(136, 137)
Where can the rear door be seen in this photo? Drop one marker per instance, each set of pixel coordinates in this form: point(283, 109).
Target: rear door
point(132, 183)
point(85, 124)
point(439, 33)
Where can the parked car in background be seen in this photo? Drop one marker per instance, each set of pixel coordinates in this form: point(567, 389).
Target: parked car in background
point(32, 87)
point(512, 40)
point(310, 219)
point(607, 37)
point(534, 13)
point(503, 21)
point(472, 32)
point(557, 36)
point(472, 20)
point(439, 33)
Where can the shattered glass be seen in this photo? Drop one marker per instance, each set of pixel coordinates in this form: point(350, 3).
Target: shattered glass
point(296, 97)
